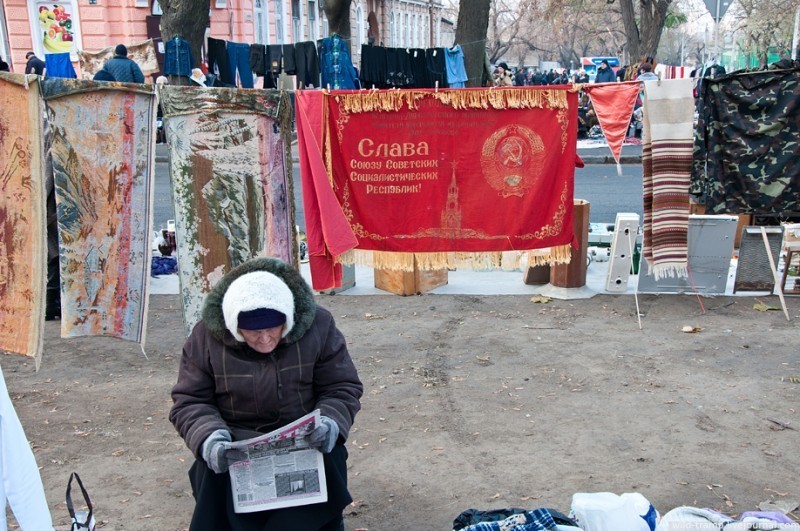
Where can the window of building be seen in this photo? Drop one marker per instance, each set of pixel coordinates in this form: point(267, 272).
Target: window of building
point(4, 37)
point(326, 30)
point(297, 26)
point(414, 30)
point(312, 20)
point(406, 34)
point(279, 21)
point(392, 30)
point(359, 26)
point(261, 15)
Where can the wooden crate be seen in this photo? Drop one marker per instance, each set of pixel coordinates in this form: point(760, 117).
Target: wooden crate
point(409, 282)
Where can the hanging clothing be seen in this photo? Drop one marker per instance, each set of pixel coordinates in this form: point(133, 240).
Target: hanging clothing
point(59, 65)
point(289, 64)
point(307, 63)
point(373, 66)
point(456, 71)
point(419, 69)
point(398, 68)
point(337, 68)
point(218, 61)
point(666, 168)
point(745, 141)
point(275, 53)
point(239, 60)
point(258, 59)
point(436, 66)
point(178, 58)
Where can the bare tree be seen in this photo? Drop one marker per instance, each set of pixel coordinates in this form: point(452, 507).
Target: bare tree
point(187, 19)
point(761, 25)
point(471, 30)
point(644, 22)
point(505, 22)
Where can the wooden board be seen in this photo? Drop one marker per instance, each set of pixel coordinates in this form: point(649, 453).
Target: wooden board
point(409, 282)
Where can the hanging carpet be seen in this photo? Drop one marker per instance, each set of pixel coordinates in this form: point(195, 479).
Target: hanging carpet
point(666, 168)
point(23, 247)
point(746, 142)
point(143, 53)
point(419, 191)
point(103, 158)
point(231, 183)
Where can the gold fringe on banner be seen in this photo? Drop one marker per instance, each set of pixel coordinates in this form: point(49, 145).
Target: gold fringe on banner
point(374, 100)
point(504, 260)
point(516, 98)
point(394, 100)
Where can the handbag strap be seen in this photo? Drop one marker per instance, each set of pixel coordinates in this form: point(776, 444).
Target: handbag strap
point(86, 499)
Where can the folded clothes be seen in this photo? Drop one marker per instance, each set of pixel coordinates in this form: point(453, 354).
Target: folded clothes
point(163, 265)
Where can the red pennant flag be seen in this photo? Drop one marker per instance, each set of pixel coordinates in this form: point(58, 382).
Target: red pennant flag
point(613, 104)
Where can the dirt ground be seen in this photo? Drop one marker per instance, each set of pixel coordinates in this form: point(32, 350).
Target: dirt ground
point(470, 402)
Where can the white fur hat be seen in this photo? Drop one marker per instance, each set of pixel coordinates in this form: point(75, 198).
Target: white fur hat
point(251, 291)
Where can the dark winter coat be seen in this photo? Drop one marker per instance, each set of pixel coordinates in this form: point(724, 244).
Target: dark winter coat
point(35, 66)
point(124, 70)
point(223, 384)
point(605, 75)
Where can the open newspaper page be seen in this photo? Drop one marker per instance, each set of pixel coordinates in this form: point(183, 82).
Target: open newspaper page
point(281, 470)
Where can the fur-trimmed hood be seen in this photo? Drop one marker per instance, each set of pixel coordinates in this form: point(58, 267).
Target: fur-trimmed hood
point(304, 304)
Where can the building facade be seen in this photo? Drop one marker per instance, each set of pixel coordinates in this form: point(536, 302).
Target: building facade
point(51, 26)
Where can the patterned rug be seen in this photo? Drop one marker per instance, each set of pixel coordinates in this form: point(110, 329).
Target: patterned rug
point(144, 53)
point(667, 143)
point(231, 183)
point(103, 154)
point(23, 247)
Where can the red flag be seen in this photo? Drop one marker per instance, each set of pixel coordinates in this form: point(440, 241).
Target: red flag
point(613, 104)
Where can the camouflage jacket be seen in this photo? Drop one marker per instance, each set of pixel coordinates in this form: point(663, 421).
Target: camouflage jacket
point(747, 141)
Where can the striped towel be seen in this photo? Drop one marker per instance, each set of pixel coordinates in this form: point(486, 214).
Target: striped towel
point(667, 142)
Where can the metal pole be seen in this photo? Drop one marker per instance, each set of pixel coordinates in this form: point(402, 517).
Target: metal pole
point(795, 37)
point(430, 21)
point(716, 36)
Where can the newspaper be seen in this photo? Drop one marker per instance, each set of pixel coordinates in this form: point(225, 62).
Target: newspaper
point(281, 470)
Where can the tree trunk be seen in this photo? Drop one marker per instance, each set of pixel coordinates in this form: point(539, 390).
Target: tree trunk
point(338, 13)
point(471, 28)
point(187, 19)
point(643, 38)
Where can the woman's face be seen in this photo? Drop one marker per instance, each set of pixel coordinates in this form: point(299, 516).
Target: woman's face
point(263, 341)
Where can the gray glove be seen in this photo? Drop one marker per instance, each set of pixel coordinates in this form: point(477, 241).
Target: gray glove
point(324, 436)
point(216, 456)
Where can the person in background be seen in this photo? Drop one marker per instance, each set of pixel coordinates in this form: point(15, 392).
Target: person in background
point(122, 68)
point(649, 60)
point(4, 66)
point(263, 355)
point(621, 73)
point(646, 73)
point(604, 73)
point(503, 76)
point(103, 75)
point(34, 64)
point(521, 77)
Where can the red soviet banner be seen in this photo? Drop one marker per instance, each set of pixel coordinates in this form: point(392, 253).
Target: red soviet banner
point(467, 170)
